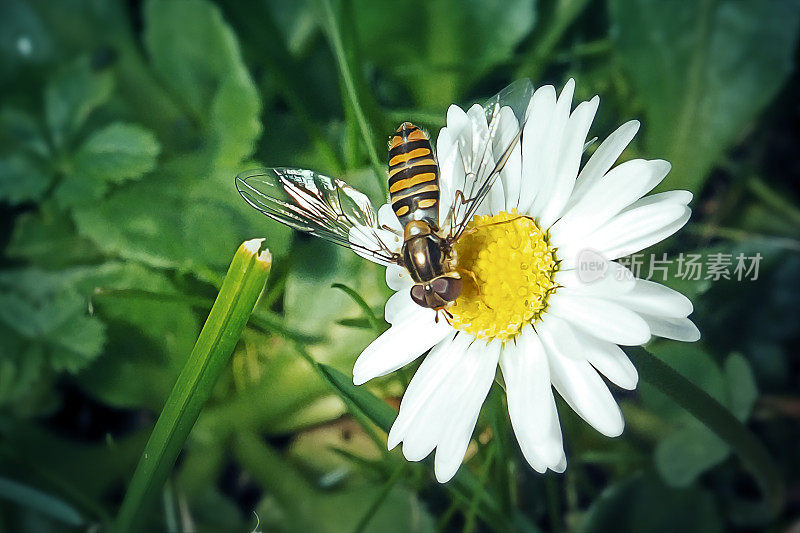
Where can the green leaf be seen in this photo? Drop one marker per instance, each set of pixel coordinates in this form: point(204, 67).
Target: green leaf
point(48, 314)
point(40, 502)
point(312, 306)
point(25, 379)
point(117, 153)
point(644, 505)
point(48, 239)
point(304, 507)
point(26, 40)
point(21, 179)
point(72, 95)
point(355, 96)
point(741, 384)
point(50, 459)
point(693, 363)
point(21, 129)
point(378, 411)
point(442, 60)
point(114, 154)
point(201, 64)
point(146, 338)
point(365, 308)
point(715, 417)
point(703, 70)
point(464, 486)
point(179, 217)
point(688, 452)
point(693, 448)
point(229, 315)
point(234, 120)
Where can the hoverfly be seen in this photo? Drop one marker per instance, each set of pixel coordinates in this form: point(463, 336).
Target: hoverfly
point(329, 208)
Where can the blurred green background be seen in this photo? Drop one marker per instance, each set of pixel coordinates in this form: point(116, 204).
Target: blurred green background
point(122, 125)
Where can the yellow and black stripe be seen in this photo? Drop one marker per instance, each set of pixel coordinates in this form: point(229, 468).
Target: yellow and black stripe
point(413, 176)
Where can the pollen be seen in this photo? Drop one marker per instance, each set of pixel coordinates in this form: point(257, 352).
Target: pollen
point(510, 273)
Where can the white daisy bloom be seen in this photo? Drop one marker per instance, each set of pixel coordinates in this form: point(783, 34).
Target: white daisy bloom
point(534, 313)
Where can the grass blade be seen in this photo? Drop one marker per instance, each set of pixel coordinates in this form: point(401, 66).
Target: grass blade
point(243, 284)
point(718, 419)
point(373, 320)
point(262, 319)
point(379, 412)
point(332, 27)
point(379, 500)
point(465, 487)
point(40, 502)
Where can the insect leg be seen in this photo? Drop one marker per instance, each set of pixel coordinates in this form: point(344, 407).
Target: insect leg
point(475, 282)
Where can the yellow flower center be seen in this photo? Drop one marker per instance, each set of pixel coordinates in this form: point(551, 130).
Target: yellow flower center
point(514, 268)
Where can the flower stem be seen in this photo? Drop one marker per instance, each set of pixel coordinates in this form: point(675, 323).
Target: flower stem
point(241, 288)
point(774, 200)
point(719, 420)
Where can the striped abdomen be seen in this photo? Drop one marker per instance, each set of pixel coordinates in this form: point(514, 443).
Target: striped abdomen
point(413, 176)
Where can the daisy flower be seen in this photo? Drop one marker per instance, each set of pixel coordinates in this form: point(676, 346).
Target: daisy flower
point(533, 311)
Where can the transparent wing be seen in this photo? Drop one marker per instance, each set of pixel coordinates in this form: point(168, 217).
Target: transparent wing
point(324, 207)
point(480, 146)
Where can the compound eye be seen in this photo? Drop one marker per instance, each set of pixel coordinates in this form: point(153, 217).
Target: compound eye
point(447, 288)
point(439, 285)
point(418, 294)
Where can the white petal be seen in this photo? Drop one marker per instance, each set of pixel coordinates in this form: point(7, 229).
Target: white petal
point(511, 175)
point(608, 359)
point(639, 240)
point(576, 381)
point(618, 189)
point(465, 406)
point(435, 393)
point(670, 197)
point(679, 329)
point(633, 230)
point(602, 318)
point(452, 173)
point(571, 150)
point(397, 278)
point(426, 383)
point(386, 217)
point(603, 159)
point(594, 275)
point(371, 238)
point(531, 406)
point(460, 127)
point(562, 464)
point(399, 305)
point(653, 298)
point(534, 141)
point(552, 150)
point(482, 160)
point(480, 134)
point(399, 345)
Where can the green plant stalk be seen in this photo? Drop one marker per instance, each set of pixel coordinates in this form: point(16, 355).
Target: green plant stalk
point(542, 48)
point(379, 499)
point(464, 487)
point(774, 199)
point(334, 35)
point(259, 26)
point(279, 477)
point(718, 419)
point(40, 502)
point(365, 308)
point(241, 288)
